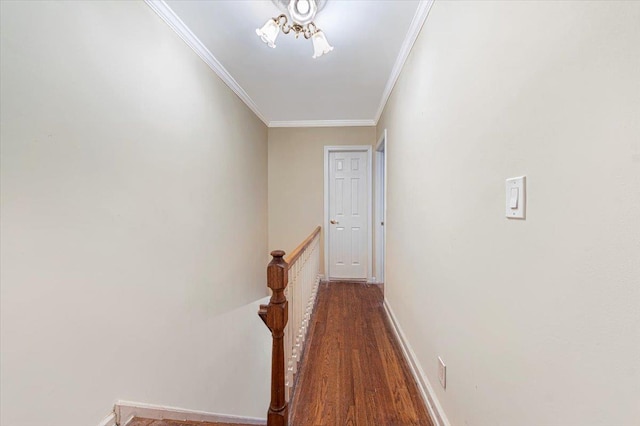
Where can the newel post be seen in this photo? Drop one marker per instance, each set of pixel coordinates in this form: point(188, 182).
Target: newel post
point(275, 316)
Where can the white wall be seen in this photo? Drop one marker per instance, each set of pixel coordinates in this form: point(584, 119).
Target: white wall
point(134, 220)
point(537, 320)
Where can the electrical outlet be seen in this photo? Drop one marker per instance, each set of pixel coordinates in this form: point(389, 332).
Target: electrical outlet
point(442, 373)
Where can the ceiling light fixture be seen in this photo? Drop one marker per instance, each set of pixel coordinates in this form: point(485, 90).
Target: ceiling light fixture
point(302, 13)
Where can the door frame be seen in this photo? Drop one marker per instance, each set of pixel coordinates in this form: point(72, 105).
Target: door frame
point(339, 148)
point(381, 207)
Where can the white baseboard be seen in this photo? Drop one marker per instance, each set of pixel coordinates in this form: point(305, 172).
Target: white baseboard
point(125, 411)
point(110, 420)
point(426, 390)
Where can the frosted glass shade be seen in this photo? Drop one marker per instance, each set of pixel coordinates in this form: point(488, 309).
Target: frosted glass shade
point(320, 44)
point(269, 32)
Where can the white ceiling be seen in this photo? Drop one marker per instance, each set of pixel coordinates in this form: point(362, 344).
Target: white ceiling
point(285, 86)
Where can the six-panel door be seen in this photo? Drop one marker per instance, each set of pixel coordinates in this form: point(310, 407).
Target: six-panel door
point(348, 218)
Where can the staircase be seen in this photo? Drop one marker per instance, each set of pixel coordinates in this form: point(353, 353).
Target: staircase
point(341, 366)
point(294, 283)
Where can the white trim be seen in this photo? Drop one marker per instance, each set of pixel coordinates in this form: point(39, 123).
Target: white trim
point(368, 149)
point(323, 123)
point(381, 210)
point(127, 410)
point(110, 420)
point(412, 34)
point(426, 390)
point(381, 146)
point(175, 23)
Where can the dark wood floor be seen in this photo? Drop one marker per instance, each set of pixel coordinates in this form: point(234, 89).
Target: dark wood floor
point(353, 370)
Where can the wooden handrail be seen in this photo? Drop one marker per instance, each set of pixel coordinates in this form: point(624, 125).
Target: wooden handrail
point(295, 254)
point(275, 315)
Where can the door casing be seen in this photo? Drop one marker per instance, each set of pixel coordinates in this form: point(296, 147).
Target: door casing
point(381, 207)
point(359, 148)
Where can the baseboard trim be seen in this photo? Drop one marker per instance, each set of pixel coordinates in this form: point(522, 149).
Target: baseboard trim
point(110, 420)
point(126, 410)
point(426, 390)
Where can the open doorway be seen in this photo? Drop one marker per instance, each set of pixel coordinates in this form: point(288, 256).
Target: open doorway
point(381, 208)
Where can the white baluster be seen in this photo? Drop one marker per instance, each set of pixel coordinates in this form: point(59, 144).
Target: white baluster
point(302, 290)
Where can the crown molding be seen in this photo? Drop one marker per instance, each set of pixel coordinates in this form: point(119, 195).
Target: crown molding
point(412, 34)
point(175, 23)
point(323, 123)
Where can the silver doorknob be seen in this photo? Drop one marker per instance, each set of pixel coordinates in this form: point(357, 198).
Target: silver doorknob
point(334, 222)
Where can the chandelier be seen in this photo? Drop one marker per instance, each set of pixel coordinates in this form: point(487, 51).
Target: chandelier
point(301, 13)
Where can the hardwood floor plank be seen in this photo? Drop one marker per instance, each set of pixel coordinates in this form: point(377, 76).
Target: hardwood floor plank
point(353, 372)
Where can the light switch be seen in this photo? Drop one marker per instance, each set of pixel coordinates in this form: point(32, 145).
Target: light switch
point(513, 200)
point(515, 194)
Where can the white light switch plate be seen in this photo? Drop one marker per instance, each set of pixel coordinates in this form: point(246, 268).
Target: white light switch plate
point(516, 197)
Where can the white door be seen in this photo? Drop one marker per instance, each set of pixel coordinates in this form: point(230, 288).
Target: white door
point(348, 214)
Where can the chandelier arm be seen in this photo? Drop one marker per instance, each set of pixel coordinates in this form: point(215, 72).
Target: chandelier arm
point(280, 17)
point(271, 28)
point(309, 30)
point(282, 22)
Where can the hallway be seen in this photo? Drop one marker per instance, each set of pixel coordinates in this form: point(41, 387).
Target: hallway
point(154, 152)
point(353, 371)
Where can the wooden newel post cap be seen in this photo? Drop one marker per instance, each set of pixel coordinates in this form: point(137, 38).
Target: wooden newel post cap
point(278, 253)
point(277, 277)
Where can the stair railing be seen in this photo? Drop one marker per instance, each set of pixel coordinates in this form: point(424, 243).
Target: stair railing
point(293, 281)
